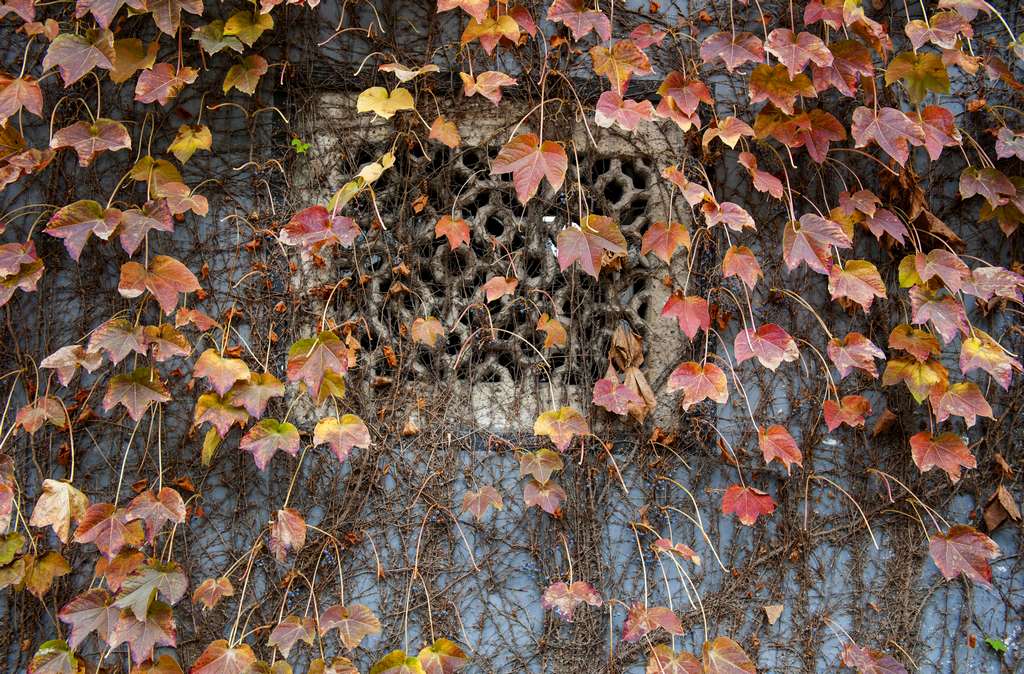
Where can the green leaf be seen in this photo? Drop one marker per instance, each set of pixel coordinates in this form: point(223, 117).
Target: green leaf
point(996, 644)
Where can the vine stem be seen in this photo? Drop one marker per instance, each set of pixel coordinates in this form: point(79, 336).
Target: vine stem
point(852, 500)
point(245, 586)
point(124, 462)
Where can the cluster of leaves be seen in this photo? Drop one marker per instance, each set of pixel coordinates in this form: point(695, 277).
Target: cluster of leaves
point(836, 52)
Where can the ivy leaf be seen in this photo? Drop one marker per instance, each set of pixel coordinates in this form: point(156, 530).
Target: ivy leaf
point(156, 510)
point(850, 410)
point(213, 409)
point(729, 130)
point(222, 372)
point(43, 410)
point(564, 598)
point(561, 426)
point(941, 29)
point(772, 83)
point(615, 397)
point(540, 464)
point(499, 286)
point(698, 383)
point(165, 278)
point(918, 343)
point(921, 72)
point(547, 495)
point(944, 312)
point(268, 437)
point(588, 243)
point(397, 662)
point(445, 131)
point(220, 658)
point(529, 161)
point(870, 661)
point(151, 580)
point(921, 378)
point(189, 139)
point(67, 359)
point(254, 393)
point(996, 644)
point(406, 73)
point(642, 620)
point(55, 657)
point(854, 351)
point(475, 8)
point(890, 128)
point(287, 532)
point(248, 26)
point(990, 183)
point(163, 82)
point(858, 281)
point(947, 451)
point(613, 109)
point(666, 546)
point(383, 103)
point(747, 504)
point(442, 657)
point(851, 60)
point(680, 98)
point(690, 311)
point(245, 75)
point(136, 223)
point(315, 227)
point(315, 359)
point(488, 84)
point(40, 572)
point(342, 434)
point(965, 550)
point(1008, 143)
point(981, 351)
point(167, 13)
point(776, 443)
point(939, 129)
point(581, 19)
point(554, 331)
point(117, 338)
point(26, 278)
point(762, 180)
point(290, 631)
point(58, 505)
point(815, 130)
point(18, 93)
point(479, 501)
point(211, 591)
point(427, 331)
point(796, 50)
point(456, 230)
point(885, 221)
point(354, 623)
point(212, 39)
point(810, 241)
point(131, 56)
point(136, 391)
point(103, 526)
point(91, 611)
point(663, 660)
point(164, 342)
point(664, 238)
point(740, 261)
point(725, 656)
point(90, 139)
point(963, 399)
point(734, 49)
point(623, 60)
point(491, 31)
point(77, 55)
point(769, 343)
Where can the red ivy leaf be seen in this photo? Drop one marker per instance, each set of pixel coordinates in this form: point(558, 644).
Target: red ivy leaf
point(564, 598)
point(90, 139)
point(947, 451)
point(965, 550)
point(529, 161)
point(769, 343)
point(699, 383)
point(747, 504)
point(776, 443)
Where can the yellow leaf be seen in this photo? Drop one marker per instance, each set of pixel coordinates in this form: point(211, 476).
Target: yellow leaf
point(378, 101)
point(189, 139)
